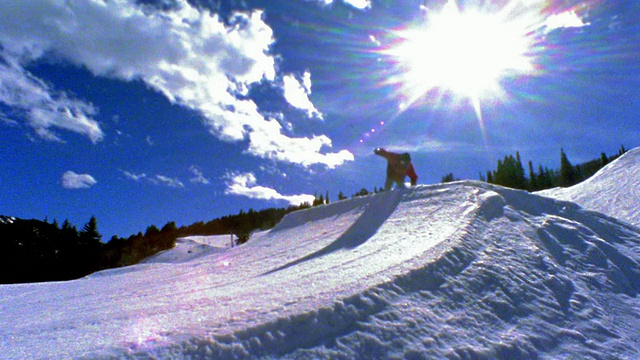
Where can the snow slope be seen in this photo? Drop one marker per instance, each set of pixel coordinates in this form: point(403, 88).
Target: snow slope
point(191, 247)
point(613, 190)
point(464, 270)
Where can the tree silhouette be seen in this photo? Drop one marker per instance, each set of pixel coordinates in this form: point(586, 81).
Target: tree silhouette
point(533, 178)
point(89, 233)
point(603, 159)
point(448, 178)
point(568, 175)
point(510, 173)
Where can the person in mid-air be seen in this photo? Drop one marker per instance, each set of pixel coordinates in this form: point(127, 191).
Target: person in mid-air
point(398, 167)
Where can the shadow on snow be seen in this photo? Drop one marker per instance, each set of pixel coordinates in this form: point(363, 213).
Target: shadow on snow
point(378, 210)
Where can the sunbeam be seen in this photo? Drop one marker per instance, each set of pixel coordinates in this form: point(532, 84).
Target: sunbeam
point(460, 54)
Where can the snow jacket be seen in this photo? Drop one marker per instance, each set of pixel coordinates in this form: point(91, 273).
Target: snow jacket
point(398, 166)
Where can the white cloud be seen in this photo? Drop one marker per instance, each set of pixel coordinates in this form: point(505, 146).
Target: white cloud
point(297, 92)
point(267, 141)
point(134, 177)
point(43, 107)
point(187, 54)
point(167, 181)
point(71, 180)
point(199, 177)
point(358, 4)
point(245, 185)
point(157, 180)
point(567, 19)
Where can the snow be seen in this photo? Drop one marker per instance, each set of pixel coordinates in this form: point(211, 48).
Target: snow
point(613, 190)
point(191, 247)
point(464, 270)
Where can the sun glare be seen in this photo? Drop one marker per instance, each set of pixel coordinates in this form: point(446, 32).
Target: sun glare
point(462, 51)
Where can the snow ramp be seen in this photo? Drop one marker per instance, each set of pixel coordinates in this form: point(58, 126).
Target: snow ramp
point(464, 270)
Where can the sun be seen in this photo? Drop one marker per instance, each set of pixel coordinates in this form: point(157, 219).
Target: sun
point(465, 52)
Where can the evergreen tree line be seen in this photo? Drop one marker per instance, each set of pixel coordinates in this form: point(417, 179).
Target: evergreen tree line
point(511, 173)
point(38, 251)
point(35, 251)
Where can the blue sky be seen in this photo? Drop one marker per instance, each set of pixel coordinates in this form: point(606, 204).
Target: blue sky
point(145, 112)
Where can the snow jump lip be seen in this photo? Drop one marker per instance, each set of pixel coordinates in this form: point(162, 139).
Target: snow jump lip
point(377, 211)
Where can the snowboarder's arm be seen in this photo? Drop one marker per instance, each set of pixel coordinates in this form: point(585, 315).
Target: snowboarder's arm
point(378, 151)
point(382, 152)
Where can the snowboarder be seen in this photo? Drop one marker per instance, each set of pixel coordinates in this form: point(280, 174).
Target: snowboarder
point(398, 166)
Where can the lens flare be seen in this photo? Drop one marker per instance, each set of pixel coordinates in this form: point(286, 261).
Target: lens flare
point(459, 55)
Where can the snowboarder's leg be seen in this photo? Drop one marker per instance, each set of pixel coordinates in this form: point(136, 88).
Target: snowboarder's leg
point(388, 183)
point(400, 184)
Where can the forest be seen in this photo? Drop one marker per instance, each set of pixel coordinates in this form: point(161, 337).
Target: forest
point(38, 251)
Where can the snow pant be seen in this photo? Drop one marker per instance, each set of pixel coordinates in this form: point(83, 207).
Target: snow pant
point(389, 183)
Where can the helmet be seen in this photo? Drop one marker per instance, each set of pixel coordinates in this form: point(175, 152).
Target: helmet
point(405, 158)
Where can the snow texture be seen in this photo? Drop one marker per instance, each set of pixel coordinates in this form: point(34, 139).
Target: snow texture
point(464, 270)
point(192, 247)
point(612, 191)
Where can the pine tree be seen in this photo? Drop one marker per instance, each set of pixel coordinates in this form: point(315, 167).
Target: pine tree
point(568, 174)
point(622, 150)
point(490, 177)
point(545, 180)
point(87, 254)
point(362, 192)
point(69, 231)
point(89, 233)
point(448, 178)
point(533, 180)
point(520, 180)
point(603, 159)
point(510, 173)
point(541, 182)
point(169, 227)
point(242, 236)
point(151, 230)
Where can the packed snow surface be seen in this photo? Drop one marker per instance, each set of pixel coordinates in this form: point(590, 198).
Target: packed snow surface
point(191, 247)
point(464, 270)
point(612, 191)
